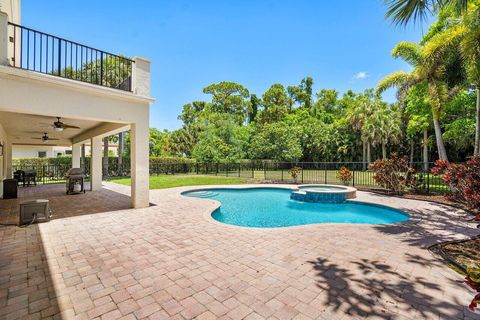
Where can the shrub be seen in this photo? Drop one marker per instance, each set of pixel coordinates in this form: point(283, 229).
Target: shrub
point(170, 165)
point(393, 174)
point(463, 179)
point(294, 172)
point(473, 281)
point(344, 175)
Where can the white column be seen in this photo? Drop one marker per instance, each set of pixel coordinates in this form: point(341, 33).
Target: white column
point(141, 76)
point(96, 163)
point(139, 163)
point(7, 157)
point(76, 154)
point(4, 47)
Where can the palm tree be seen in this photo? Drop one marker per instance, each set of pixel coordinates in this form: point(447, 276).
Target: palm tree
point(357, 116)
point(464, 34)
point(388, 126)
point(403, 11)
point(429, 70)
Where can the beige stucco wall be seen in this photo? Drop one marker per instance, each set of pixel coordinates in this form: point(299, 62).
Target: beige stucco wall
point(53, 96)
point(13, 9)
point(32, 151)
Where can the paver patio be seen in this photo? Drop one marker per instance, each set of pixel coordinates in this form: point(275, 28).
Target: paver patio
point(172, 261)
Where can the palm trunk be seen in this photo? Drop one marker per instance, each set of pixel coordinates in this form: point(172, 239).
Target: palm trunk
point(425, 150)
point(364, 156)
point(384, 150)
point(120, 154)
point(105, 157)
point(369, 153)
point(442, 153)
point(476, 150)
point(412, 150)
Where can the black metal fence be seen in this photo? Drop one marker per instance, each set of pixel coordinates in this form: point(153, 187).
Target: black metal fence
point(42, 52)
point(50, 173)
point(276, 172)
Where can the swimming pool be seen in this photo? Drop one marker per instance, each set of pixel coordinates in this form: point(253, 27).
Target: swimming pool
point(272, 207)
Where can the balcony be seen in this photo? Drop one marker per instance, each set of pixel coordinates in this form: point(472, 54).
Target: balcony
point(41, 52)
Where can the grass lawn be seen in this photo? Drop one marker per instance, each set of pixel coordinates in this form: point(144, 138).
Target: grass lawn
point(170, 181)
point(364, 179)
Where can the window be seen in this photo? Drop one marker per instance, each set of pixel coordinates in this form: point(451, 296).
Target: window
point(42, 154)
point(59, 154)
point(68, 151)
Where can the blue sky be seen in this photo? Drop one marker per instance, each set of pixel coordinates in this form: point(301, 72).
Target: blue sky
point(341, 44)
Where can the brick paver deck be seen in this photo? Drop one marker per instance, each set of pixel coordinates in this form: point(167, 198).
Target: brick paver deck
point(172, 261)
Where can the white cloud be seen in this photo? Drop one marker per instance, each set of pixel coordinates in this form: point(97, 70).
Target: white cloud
point(360, 75)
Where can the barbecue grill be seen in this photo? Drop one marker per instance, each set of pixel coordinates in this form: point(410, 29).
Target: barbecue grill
point(75, 181)
point(26, 177)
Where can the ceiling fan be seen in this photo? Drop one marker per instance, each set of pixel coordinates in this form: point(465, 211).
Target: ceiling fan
point(45, 138)
point(59, 126)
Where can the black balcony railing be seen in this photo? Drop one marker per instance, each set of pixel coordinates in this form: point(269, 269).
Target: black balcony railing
point(42, 52)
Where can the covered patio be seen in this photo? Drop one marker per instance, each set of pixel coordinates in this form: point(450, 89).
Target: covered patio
point(58, 104)
point(62, 205)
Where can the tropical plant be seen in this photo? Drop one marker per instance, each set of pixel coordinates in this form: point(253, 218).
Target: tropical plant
point(428, 70)
point(462, 33)
point(393, 174)
point(403, 11)
point(344, 175)
point(463, 179)
point(294, 172)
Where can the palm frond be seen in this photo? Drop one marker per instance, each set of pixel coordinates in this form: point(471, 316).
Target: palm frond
point(401, 12)
point(408, 51)
point(435, 51)
point(395, 80)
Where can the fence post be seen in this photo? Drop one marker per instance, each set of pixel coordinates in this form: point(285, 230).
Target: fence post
point(264, 171)
point(253, 171)
point(226, 165)
point(281, 168)
point(301, 165)
point(353, 177)
point(325, 173)
point(239, 169)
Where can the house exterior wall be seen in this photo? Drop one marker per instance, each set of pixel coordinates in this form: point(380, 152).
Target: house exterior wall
point(13, 9)
point(19, 152)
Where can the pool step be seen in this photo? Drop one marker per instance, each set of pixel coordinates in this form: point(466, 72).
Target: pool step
point(202, 194)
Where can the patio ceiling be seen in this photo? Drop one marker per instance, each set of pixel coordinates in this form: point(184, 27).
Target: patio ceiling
point(22, 128)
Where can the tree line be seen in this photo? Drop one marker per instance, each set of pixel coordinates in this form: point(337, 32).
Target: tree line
point(436, 115)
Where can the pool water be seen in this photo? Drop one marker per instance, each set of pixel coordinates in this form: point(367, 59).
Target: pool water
point(272, 207)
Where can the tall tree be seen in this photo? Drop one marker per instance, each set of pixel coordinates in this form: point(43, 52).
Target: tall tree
point(231, 98)
point(428, 70)
point(277, 104)
point(463, 33)
point(302, 94)
point(120, 151)
point(357, 114)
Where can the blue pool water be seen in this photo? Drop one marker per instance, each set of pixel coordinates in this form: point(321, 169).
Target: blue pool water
point(270, 207)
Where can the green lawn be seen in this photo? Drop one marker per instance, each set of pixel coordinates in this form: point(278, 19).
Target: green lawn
point(170, 181)
point(364, 179)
